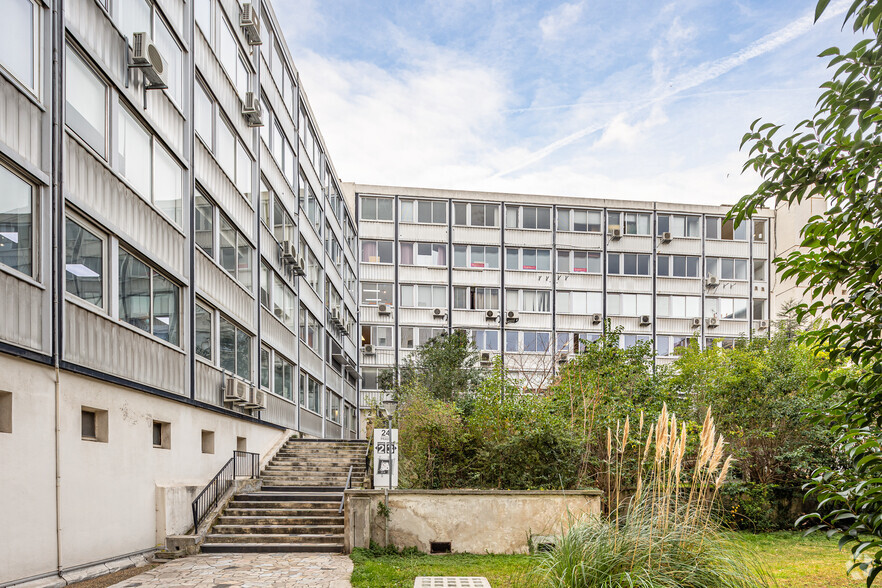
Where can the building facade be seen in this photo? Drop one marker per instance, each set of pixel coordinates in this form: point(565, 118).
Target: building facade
point(177, 268)
point(531, 277)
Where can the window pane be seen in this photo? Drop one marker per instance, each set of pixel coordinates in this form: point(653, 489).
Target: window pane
point(166, 314)
point(511, 217)
point(543, 218)
point(202, 9)
point(167, 184)
point(203, 114)
point(17, 44)
point(478, 215)
point(86, 105)
point(134, 291)
point(543, 260)
point(227, 346)
point(563, 261)
point(133, 16)
point(712, 230)
point(759, 230)
point(243, 354)
point(642, 224)
point(460, 213)
point(227, 247)
point(173, 60)
point(202, 326)
point(759, 270)
point(663, 269)
point(511, 259)
point(16, 222)
point(134, 153)
point(243, 170)
point(225, 148)
point(613, 263)
point(630, 264)
point(384, 209)
point(84, 263)
point(439, 212)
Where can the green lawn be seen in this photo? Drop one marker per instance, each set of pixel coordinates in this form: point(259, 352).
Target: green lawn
point(794, 561)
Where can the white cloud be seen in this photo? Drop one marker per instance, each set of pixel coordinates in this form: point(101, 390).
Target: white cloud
point(559, 20)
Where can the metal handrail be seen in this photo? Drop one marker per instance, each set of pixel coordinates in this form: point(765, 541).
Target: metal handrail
point(243, 463)
point(345, 488)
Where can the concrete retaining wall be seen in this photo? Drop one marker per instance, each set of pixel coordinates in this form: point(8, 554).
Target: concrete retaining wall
point(472, 521)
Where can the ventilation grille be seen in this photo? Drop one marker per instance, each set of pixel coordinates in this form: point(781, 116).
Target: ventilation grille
point(450, 582)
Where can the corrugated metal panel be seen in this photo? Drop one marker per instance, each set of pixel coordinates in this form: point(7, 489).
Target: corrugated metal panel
point(334, 381)
point(174, 11)
point(275, 99)
point(691, 286)
point(468, 277)
point(311, 362)
point(333, 431)
point(167, 120)
point(761, 290)
point(209, 384)
point(631, 243)
point(727, 248)
point(379, 357)
point(223, 89)
point(95, 29)
point(21, 320)
point(280, 411)
point(93, 186)
point(527, 238)
point(575, 322)
point(376, 230)
point(375, 272)
point(372, 398)
point(210, 175)
point(334, 276)
point(670, 326)
point(631, 324)
point(312, 239)
point(409, 274)
point(349, 393)
point(477, 235)
point(579, 240)
point(270, 250)
point(311, 300)
point(581, 282)
point(310, 423)
point(628, 284)
point(419, 316)
point(473, 319)
point(349, 348)
point(731, 288)
point(370, 315)
point(533, 280)
point(730, 328)
point(539, 321)
point(276, 334)
point(222, 291)
point(761, 250)
point(680, 246)
point(277, 180)
point(94, 341)
point(20, 123)
point(422, 233)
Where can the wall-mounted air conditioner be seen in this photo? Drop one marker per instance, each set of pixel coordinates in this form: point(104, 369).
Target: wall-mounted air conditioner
point(512, 316)
point(712, 281)
point(439, 313)
point(250, 24)
point(666, 237)
point(696, 323)
point(713, 321)
point(645, 320)
point(289, 252)
point(235, 390)
point(615, 234)
point(383, 309)
point(491, 315)
point(368, 349)
point(147, 58)
point(486, 358)
point(762, 325)
point(252, 111)
point(596, 318)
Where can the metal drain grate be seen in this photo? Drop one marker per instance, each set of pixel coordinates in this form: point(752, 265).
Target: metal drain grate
point(450, 582)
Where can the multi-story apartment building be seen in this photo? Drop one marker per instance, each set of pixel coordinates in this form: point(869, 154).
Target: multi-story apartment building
point(530, 277)
point(169, 220)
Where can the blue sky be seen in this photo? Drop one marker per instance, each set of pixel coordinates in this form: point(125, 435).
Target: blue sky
point(645, 100)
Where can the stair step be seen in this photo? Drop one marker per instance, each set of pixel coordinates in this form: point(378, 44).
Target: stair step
point(332, 510)
point(271, 548)
point(226, 519)
point(264, 538)
point(277, 529)
point(285, 504)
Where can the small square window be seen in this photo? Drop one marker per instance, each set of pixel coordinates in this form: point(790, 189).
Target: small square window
point(161, 435)
point(93, 424)
point(241, 444)
point(207, 441)
point(5, 412)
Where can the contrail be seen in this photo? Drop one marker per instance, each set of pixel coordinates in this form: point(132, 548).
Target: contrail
point(692, 78)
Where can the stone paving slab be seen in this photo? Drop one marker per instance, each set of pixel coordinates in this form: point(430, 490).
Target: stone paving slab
point(248, 570)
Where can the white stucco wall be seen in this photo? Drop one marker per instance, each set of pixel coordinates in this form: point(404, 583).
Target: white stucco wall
point(108, 490)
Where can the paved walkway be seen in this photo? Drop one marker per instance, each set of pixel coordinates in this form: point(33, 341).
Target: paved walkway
point(248, 570)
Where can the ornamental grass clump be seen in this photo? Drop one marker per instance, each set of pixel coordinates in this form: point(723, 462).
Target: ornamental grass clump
point(665, 533)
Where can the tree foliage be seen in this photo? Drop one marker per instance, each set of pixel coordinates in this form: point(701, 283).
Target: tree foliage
point(445, 366)
point(837, 155)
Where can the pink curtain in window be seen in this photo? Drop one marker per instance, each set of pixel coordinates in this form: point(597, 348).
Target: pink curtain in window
point(368, 250)
point(441, 255)
point(407, 253)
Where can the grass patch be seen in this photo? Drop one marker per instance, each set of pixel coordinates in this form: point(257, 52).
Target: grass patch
point(399, 571)
point(793, 560)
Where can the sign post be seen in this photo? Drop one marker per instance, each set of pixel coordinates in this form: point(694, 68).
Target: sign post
point(386, 458)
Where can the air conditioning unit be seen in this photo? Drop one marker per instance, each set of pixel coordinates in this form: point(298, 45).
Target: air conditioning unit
point(512, 316)
point(146, 57)
point(249, 397)
point(250, 24)
point(762, 325)
point(615, 234)
point(645, 320)
point(335, 317)
point(383, 309)
point(696, 323)
point(596, 318)
point(301, 264)
point(259, 400)
point(368, 349)
point(491, 315)
point(234, 390)
point(713, 321)
point(486, 358)
point(289, 252)
point(439, 313)
point(563, 359)
point(252, 111)
point(666, 237)
point(713, 281)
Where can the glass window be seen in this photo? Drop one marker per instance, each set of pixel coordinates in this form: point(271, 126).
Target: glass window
point(168, 184)
point(86, 110)
point(202, 324)
point(759, 309)
point(203, 114)
point(133, 16)
point(712, 228)
point(283, 378)
point(376, 251)
point(264, 368)
point(174, 60)
point(84, 263)
point(204, 220)
point(376, 208)
point(147, 299)
point(134, 153)
point(19, 41)
point(16, 222)
point(202, 10)
point(759, 270)
point(234, 252)
point(235, 349)
point(759, 230)
point(225, 146)
point(537, 342)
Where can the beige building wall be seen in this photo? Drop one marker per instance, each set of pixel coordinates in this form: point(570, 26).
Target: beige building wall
point(107, 491)
point(790, 219)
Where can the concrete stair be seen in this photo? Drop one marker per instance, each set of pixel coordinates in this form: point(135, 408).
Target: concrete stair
point(297, 508)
